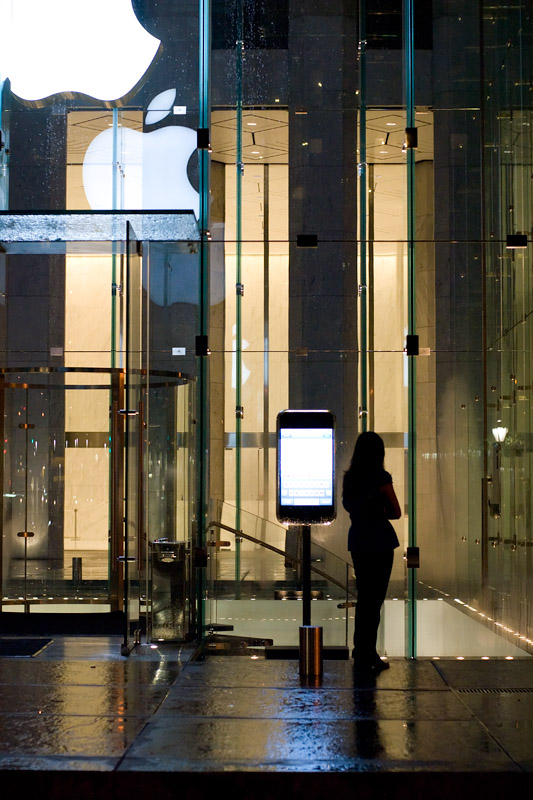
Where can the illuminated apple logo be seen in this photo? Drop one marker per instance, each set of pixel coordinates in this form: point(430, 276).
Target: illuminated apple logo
point(150, 171)
point(97, 47)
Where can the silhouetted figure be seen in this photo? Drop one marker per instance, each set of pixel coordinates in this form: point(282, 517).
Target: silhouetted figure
point(369, 498)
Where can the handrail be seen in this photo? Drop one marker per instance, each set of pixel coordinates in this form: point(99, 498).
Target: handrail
point(317, 570)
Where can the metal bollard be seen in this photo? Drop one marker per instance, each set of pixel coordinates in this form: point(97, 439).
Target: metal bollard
point(76, 569)
point(310, 650)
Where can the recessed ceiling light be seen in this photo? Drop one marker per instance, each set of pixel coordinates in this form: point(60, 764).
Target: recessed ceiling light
point(391, 123)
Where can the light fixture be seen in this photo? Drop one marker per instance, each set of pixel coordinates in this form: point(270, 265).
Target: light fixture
point(500, 433)
point(516, 241)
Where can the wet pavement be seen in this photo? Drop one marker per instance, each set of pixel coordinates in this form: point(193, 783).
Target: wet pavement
point(80, 707)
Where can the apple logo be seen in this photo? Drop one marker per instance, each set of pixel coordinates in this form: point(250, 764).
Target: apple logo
point(98, 47)
point(152, 166)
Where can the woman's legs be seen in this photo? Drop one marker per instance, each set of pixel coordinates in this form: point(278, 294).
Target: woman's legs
point(372, 573)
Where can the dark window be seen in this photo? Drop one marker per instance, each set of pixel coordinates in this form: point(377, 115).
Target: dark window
point(265, 24)
point(384, 24)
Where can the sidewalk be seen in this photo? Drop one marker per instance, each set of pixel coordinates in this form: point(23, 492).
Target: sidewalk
point(80, 719)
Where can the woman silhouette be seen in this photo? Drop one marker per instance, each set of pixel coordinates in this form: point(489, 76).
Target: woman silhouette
point(369, 498)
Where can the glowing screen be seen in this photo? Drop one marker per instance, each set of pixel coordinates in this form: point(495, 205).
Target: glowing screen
point(306, 466)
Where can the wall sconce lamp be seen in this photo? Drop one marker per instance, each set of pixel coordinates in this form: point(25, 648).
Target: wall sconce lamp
point(499, 434)
point(516, 241)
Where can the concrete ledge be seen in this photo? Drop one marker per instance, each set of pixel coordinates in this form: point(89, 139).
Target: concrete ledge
point(438, 785)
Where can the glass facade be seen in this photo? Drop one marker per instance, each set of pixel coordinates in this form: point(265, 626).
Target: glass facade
point(257, 206)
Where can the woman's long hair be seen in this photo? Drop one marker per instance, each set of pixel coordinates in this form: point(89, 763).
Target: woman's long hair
point(368, 457)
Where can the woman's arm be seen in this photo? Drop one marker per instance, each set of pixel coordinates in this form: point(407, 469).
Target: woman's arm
point(392, 506)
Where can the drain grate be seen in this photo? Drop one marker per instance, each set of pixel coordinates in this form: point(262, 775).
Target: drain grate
point(497, 691)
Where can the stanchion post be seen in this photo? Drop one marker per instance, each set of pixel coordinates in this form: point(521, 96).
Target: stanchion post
point(306, 574)
point(310, 650)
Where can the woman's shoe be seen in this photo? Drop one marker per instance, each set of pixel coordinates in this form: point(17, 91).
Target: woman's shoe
point(374, 665)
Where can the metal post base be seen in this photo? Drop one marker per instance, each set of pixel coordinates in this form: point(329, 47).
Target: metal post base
point(310, 650)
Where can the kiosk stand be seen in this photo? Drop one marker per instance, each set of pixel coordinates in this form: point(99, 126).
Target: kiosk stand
point(305, 496)
point(310, 636)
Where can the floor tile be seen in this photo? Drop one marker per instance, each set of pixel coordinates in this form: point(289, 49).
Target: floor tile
point(66, 699)
point(33, 671)
point(316, 703)
point(245, 672)
point(476, 673)
point(51, 734)
point(307, 745)
point(516, 738)
point(51, 763)
point(503, 706)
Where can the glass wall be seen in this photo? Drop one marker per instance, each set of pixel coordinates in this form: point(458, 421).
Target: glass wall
point(354, 170)
point(98, 321)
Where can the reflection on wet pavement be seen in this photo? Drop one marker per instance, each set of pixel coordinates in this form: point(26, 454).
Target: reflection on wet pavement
point(80, 706)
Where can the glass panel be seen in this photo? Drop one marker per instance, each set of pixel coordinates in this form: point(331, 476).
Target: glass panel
point(268, 606)
point(169, 478)
point(133, 414)
point(56, 488)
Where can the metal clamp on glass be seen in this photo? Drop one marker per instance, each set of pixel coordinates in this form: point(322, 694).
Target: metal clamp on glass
point(203, 139)
point(306, 240)
point(411, 138)
point(202, 347)
point(412, 557)
point(411, 345)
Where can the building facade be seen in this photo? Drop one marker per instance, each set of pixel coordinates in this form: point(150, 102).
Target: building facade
point(213, 210)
